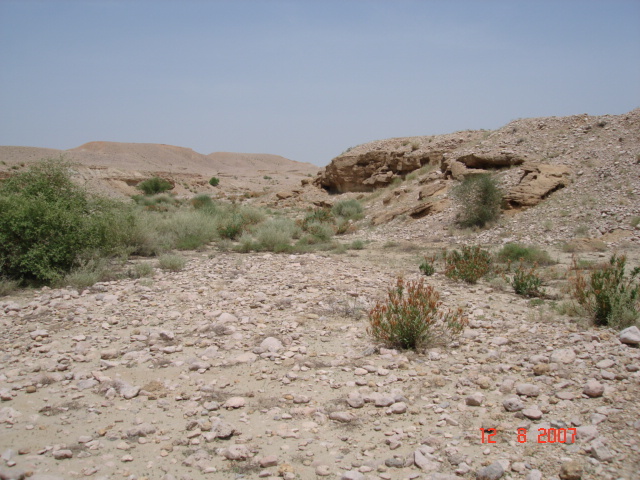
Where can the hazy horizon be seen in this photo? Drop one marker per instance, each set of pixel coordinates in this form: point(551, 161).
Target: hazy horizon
point(305, 79)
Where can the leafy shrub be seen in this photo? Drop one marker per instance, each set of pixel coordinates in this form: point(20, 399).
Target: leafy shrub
point(348, 209)
point(608, 297)
point(479, 198)
point(526, 282)
point(173, 263)
point(214, 181)
point(47, 222)
point(413, 317)
point(516, 252)
point(152, 186)
point(471, 264)
point(427, 267)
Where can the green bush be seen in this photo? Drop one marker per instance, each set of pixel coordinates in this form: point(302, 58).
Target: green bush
point(47, 223)
point(526, 282)
point(413, 317)
point(427, 267)
point(515, 252)
point(152, 186)
point(348, 209)
point(214, 181)
point(471, 264)
point(479, 199)
point(607, 295)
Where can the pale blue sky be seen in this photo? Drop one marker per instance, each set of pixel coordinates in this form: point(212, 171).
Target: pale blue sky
point(305, 79)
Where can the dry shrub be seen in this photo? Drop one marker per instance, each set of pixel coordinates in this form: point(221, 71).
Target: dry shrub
point(413, 317)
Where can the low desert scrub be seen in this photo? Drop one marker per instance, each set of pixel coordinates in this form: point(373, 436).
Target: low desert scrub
point(201, 201)
point(470, 264)
point(276, 235)
point(141, 270)
point(214, 181)
point(516, 252)
point(427, 267)
point(7, 286)
point(609, 297)
point(348, 209)
point(154, 185)
point(413, 317)
point(172, 263)
point(357, 245)
point(526, 282)
point(88, 273)
point(479, 198)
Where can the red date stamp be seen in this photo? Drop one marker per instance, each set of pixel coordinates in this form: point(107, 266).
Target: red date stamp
point(545, 435)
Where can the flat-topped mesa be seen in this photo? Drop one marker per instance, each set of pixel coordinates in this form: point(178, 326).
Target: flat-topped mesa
point(376, 164)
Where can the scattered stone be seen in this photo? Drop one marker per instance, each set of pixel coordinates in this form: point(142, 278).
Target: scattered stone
point(563, 355)
point(475, 400)
point(630, 335)
point(571, 470)
point(593, 388)
point(512, 404)
point(490, 472)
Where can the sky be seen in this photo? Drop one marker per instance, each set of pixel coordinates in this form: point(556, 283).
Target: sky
point(305, 79)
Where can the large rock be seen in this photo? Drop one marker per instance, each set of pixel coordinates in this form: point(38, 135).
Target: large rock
point(536, 184)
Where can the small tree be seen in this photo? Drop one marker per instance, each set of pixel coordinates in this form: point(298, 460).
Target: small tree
point(479, 198)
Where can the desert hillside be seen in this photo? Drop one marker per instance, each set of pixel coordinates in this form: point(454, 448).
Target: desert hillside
point(114, 168)
point(240, 362)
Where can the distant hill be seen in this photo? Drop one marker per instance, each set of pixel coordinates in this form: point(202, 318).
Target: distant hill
point(120, 166)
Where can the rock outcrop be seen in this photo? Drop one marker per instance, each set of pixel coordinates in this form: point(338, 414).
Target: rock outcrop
point(536, 184)
point(374, 165)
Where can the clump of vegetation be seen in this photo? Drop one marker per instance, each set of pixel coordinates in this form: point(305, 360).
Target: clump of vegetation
point(608, 296)
point(201, 201)
point(479, 198)
point(47, 223)
point(155, 185)
point(469, 265)
point(214, 181)
point(526, 282)
point(348, 209)
point(7, 286)
point(172, 263)
point(516, 252)
point(427, 267)
point(413, 317)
